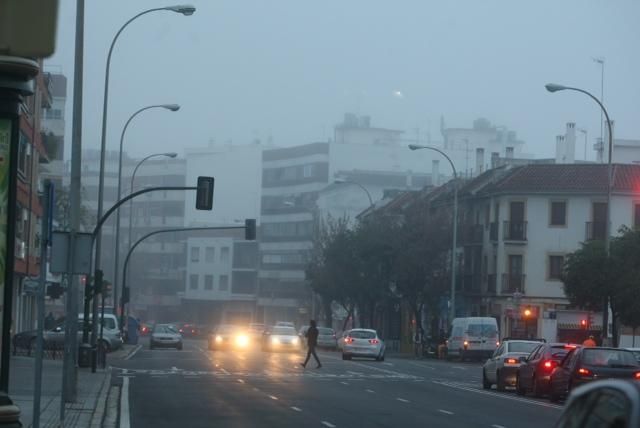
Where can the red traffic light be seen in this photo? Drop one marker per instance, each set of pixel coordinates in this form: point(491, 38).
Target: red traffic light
point(583, 323)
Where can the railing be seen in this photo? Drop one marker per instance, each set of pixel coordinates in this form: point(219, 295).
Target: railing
point(493, 231)
point(512, 283)
point(595, 230)
point(491, 283)
point(515, 230)
point(473, 234)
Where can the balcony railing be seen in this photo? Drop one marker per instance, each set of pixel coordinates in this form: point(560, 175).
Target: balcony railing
point(493, 231)
point(596, 230)
point(515, 230)
point(491, 283)
point(512, 283)
point(473, 234)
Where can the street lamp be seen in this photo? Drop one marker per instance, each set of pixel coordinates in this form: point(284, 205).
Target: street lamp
point(133, 177)
point(554, 87)
point(185, 10)
point(170, 107)
point(455, 225)
point(345, 181)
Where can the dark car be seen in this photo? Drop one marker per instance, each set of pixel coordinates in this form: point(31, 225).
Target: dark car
point(586, 365)
point(188, 330)
point(534, 373)
point(606, 403)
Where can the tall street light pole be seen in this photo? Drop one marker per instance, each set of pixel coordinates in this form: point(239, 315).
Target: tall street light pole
point(345, 181)
point(585, 132)
point(116, 276)
point(185, 10)
point(600, 60)
point(454, 237)
point(553, 87)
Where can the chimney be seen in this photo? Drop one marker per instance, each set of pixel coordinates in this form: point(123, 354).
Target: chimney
point(570, 143)
point(560, 152)
point(495, 159)
point(509, 152)
point(435, 172)
point(479, 160)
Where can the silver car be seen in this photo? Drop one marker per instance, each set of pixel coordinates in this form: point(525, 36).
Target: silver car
point(501, 369)
point(326, 337)
point(165, 336)
point(361, 342)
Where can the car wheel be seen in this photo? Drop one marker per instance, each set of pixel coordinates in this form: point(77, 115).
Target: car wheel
point(179, 347)
point(105, 346)
point(554, 397)
point(382, 357)
point(485, 382)
point(537, 390)
point(519, 388)
point(500, 386)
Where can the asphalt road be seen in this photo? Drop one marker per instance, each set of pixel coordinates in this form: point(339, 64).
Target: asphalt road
point(200, 388)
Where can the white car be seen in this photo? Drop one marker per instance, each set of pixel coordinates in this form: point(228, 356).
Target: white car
point(502, 368)
point(362, 342)
point(165, 336)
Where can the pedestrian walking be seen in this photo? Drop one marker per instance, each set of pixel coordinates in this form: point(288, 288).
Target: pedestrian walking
point(312, 342)
point(589, 343)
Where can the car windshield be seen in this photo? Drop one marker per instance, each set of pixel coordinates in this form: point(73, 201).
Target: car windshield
point(609, 358)
point(362, 334)
point(326, 331)
point(525, 347)
point(284, 331)
point(164, 329)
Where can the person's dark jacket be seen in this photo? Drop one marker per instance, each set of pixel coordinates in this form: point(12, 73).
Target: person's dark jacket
point(312, 336)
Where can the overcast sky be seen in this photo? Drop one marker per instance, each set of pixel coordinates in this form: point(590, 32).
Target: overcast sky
point(245, 69)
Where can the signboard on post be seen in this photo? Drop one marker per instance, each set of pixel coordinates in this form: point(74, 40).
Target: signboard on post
point(81, 253)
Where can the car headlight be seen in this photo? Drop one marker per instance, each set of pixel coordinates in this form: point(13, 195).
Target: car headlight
point(275, 341)
point(295, 341)
point(218, 339)
point(242, 340)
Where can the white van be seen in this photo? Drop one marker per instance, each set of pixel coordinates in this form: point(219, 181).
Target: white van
point(473, 337)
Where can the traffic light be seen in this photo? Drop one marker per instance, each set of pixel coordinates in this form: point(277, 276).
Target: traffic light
point(97, 282)
point(527, 313)
point(125, 295)
point(204, 193)
point(250, 229)
point(583, 324)
point(54, 290)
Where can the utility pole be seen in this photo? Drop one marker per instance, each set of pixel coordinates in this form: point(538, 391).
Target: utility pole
point(69, 369)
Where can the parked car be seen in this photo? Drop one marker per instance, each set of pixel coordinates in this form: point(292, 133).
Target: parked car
point(584, 365)
point(326, 337)
point(473, 337)
point(228, 336)
point(341, 339)
point(604, 403)
point(285, 324)
point(501, 369)
point(189, 330)
point(534, 373)
point(256, 330)
point(112, 338)
point(281, 338)
point(636, 352)
point(364, 343)
point(165, 336)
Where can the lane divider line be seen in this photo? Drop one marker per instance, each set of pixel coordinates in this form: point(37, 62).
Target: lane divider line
point(125, 418)
point(328, 424)
point(504, 396)
point(134, 352)
point(498, 426)
point(446, 412)
point(273, 397)
point(402, 400)
point(370, 391)
point(297, 409)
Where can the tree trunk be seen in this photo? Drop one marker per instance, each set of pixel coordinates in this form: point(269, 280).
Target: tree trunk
point(328, 312)
point(605, 321)
point(372, 315)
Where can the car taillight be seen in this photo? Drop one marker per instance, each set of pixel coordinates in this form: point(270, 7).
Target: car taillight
point(374, 341)
point(348, 339)
point(550, 364)
point(584, 372)
point(569, 346)
point(637, 376)
point(510, 361)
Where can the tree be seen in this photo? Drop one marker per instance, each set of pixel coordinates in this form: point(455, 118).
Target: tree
point(62, 208)
point(626, 256)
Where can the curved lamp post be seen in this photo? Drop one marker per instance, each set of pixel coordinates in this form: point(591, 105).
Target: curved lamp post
point(185, 10)
point(345, 181)
point(454, 237)
point(554, 87)
point(170, 107)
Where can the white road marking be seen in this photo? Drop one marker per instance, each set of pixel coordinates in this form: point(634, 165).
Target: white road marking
point(420, 365)
point(344, 383)
point(174, 368)
point(256, 389)
point(446, 412)
point(498, 426)
point(273, 397)
point(328, 424)
point(458, 367)
point(135, 351)
point(297, 409)
point(224, 371)
point(371, 391)
point(241, 380)
point(388, 364)
point(503, 396)
point(403, 400)
point(125, 419)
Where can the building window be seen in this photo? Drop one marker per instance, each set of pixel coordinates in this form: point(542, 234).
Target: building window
point(193, 281)
point(636, 215)
point(307, 171)
point(556, 265)
point(195, 254)
point(24, 158)
point(558, 215)
point(208, 282)
point(224, 282)
point(210, 254)
point(224, 255)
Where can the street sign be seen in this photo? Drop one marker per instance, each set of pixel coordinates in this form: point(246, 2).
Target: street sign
point(81, 253)
point(30, 286)
point(28, 28)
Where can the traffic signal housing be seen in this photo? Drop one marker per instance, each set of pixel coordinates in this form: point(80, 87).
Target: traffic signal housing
point(204, 193)
point(250, 229)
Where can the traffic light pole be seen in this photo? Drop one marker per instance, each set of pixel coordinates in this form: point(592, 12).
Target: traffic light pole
point(250, 235)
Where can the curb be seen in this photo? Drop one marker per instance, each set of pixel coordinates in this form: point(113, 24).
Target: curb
point(101, 403)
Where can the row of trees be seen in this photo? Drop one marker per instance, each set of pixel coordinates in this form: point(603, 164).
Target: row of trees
point(379, 259)
point(591, 278)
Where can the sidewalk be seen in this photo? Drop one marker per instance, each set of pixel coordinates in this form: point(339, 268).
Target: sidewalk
point(91, 397)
